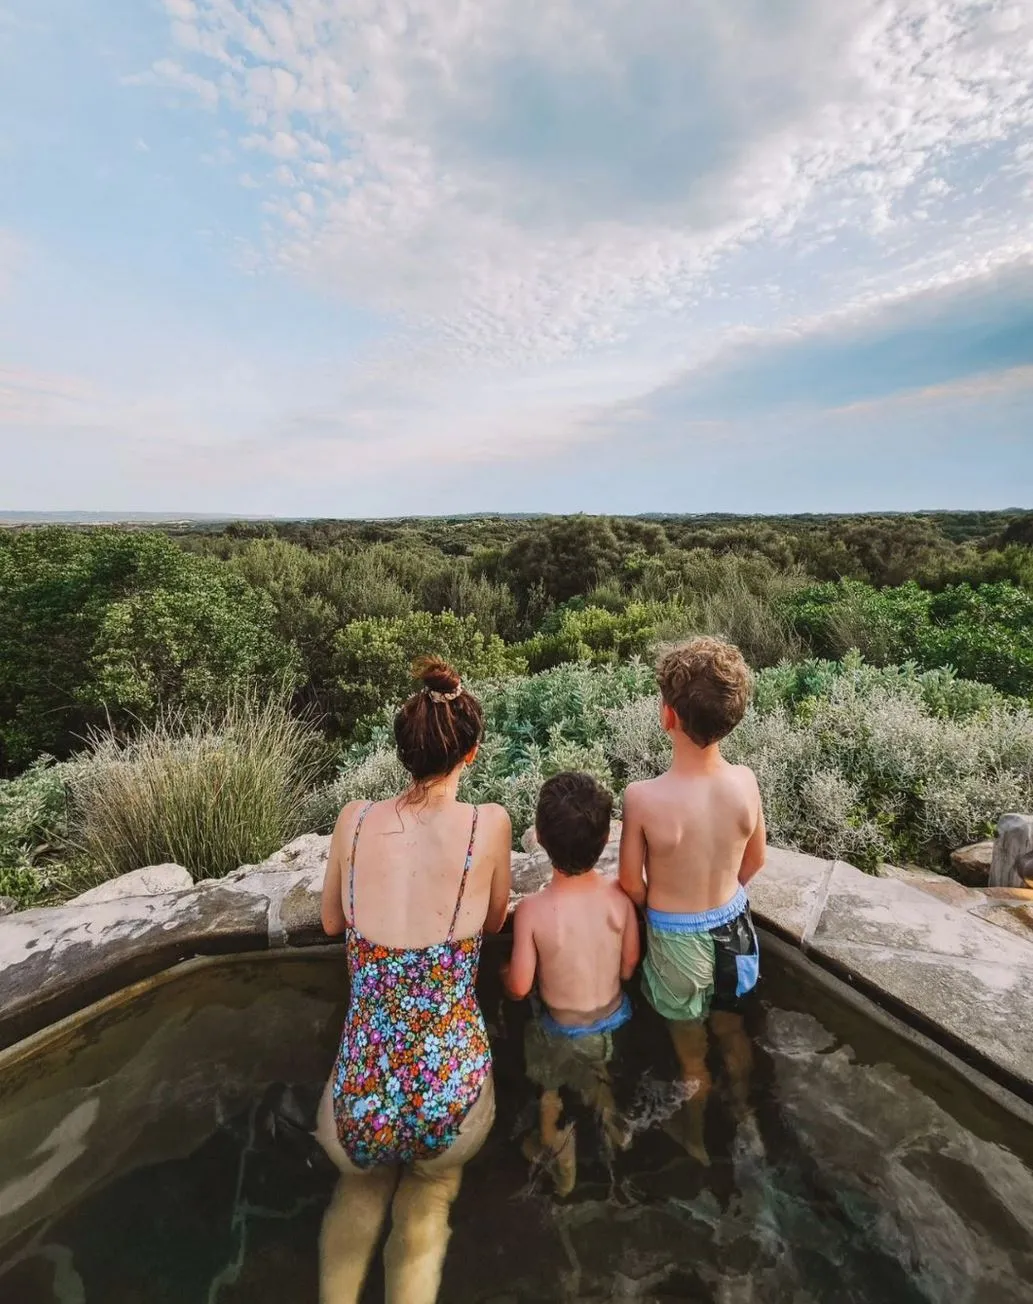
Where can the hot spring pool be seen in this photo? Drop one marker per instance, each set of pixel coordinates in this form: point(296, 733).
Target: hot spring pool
point(144, 1161)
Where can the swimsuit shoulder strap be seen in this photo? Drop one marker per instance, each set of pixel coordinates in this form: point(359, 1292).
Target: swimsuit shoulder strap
point(351, 860)
point(466, 874)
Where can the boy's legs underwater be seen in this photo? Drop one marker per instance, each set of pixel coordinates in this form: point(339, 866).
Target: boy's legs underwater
point(554, 1147)
point(729, 1029)
point(690, 1045)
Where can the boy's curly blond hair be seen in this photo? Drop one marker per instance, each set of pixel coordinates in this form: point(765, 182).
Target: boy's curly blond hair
point(707, 684)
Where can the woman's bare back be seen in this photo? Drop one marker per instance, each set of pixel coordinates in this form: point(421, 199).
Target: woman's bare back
point(409, 868)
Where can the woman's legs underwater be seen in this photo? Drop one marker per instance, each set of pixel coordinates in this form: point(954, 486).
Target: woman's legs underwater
point(423, 1197)
point(350, 1231)
point(415, 1252)
point(354, 1217)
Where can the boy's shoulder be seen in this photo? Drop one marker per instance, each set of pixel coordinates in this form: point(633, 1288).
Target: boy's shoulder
point(642, 790)
point(744, 775)
point(645, 794)
point(527, 907)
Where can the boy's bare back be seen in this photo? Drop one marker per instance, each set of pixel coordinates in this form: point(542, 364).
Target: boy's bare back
point(580, 935)
point(692, 836)
point(698, 836)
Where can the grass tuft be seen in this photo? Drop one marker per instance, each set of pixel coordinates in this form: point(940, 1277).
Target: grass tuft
point(209, 793)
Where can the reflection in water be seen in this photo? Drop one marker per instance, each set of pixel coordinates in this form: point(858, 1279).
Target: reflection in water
point(853, 1177)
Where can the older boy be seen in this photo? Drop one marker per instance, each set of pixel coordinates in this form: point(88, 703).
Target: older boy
point(579, 938)
point(692, 839)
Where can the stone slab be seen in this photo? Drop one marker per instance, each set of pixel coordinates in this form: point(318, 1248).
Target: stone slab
point(293, 879)
point(58, 959)
point(950, 891)
point(1016, 919)
point(964, 1003)
point(789, 892)
point(971, 967)
point(885, 913)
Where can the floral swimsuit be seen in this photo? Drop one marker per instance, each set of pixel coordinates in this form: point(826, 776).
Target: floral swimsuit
point(414, 1054)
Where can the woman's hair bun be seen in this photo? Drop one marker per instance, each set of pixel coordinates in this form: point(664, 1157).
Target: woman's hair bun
point(436, 674)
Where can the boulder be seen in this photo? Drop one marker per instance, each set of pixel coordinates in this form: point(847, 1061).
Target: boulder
point(307, 853)
point(971, 864)
point(529, 841)
point(1012, 862)
point(152, 880)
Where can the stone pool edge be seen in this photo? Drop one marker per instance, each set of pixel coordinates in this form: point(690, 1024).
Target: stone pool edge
point(940, 968)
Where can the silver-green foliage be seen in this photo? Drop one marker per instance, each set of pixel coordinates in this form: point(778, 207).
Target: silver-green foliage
point(853, 761)
point(535, 726)
point(862, 763)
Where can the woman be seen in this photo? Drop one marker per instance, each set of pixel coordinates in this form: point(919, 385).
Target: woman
point(414, 882)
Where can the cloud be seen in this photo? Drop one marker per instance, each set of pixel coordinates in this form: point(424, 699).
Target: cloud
point(168, 73)
point(531, 181)
point(513, 230)
point(928, 343)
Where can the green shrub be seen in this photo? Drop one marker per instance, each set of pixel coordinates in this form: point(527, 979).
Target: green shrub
point(566, 556)
point(597, 636)
point(32, 825)
point(984, 633)
point(751, 621)
point(116, 624)
point(373, 659)
point(210, 793)
point(724, 595)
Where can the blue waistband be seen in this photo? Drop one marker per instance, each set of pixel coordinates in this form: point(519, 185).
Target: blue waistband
point(610, 1023)
point(664, 921)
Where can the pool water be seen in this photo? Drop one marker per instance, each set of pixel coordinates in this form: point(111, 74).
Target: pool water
point(867, 1174)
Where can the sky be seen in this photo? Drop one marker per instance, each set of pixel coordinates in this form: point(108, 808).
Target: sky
point(387, 257)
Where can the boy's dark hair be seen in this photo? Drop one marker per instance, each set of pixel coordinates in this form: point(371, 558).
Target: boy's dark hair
point(573, 821)
point(707, 684)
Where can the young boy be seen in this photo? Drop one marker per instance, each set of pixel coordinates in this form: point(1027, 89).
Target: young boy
point(579, 938)
point(691, 840)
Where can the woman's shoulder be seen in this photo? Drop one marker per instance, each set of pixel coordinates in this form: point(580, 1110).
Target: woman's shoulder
point(491, 815)
point(491, 810)
point(349, 812)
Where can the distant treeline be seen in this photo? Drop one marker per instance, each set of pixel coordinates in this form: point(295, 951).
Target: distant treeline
point(112, 624)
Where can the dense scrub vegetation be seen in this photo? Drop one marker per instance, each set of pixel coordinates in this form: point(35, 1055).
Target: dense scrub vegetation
point(154, 639)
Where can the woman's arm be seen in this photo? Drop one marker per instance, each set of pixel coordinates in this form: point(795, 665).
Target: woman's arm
point(633, 849)
point(331, 910)
point(501, 850)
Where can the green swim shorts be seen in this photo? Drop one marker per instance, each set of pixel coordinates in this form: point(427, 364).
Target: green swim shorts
point(678, 974)
point(698, 962)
